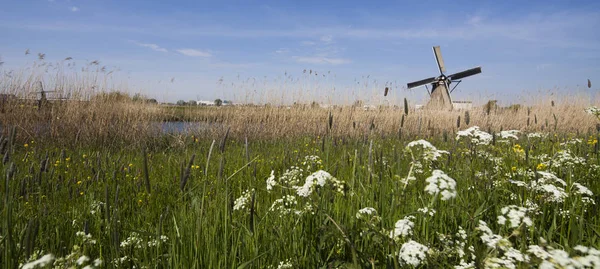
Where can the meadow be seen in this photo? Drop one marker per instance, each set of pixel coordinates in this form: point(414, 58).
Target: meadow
point(93, 184)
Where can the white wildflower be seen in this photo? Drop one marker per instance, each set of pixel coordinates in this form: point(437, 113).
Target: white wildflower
point(439, 182)
point(285, 264)
point(83, 259)
point(565, 158)
point(475, 135)
point(412, 253)
point(509, 134)
point(538, 251)
point(285, 205)
point(537, 135)
point(366, 211)
point(573, 141)
point(582, 190)
point(318, 178)
point(403, 227)
point(291, 176)
point(242, 202)
point(593, 110)
point(271, 181)
point(488, 237)
point(430, 153)
point(133, 240)
point(312, 161)
point(41, 262)
point(465, 265)
point(427, 211)
point(515, 216)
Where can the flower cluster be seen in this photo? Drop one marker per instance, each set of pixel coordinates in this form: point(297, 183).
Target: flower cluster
point(441, 183)
point(242, 202)
point(515, 215)
point(403, 228)
point(510, 134)
point(476, 136)
point(317, 179)
point(412, 253)
point(429, 152)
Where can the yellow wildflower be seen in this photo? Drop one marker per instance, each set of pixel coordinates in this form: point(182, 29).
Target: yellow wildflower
point(514, 168)
point(26, 145)
point(79, 182)
point(541, 166)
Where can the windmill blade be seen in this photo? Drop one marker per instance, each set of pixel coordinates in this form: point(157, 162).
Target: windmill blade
point(466, 73)
point(420, 82)
point(438, 57)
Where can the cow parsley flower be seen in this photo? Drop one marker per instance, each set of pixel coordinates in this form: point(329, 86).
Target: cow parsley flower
point(366, 212)
point(512, 134)
point(427, 211)
point(403, 227)
point(241, 202)
point(475, 135)
point(285, 205)
point(271, 181)
point(83, 259)
point(291, 176)
point(489, 238)
point(429, 152)
point(515, 216)
point(412, 253)
point(582, 190)
point(545, 185)
point(565, 158)
point(318, 178)
point(439, 182)
point(287, 264)
point(41, 262)
point(593, 110)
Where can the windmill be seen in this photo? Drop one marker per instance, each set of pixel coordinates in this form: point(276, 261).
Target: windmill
point(40, 90)
point(440, 91)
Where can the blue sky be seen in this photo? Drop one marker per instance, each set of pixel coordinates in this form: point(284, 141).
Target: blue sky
point(236, 49)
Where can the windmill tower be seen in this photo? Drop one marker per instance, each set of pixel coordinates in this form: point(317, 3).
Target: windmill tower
point(440, 85)
point(40, 90)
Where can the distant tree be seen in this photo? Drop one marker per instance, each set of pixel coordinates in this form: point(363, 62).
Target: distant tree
point(138, 98)
point(181, 103)
point(218, 102)
point(191, 103)
point(151, 101)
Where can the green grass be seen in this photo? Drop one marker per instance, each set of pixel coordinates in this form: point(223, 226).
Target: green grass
point(45, 205)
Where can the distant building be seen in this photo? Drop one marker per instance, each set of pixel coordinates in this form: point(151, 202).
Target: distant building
point(205, 103)
point(462, 105)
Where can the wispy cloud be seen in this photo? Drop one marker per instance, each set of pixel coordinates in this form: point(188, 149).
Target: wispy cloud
point(282, 51)
point(194, 53)
point(322, 60)
point(151, 46)
point(74, 9)
point(327, 39)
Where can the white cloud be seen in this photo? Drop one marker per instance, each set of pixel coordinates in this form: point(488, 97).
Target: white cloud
point(74, 9)
point(327, 39)
point(194, 53)
point(322, 60)
point(152, 46)
point(308, 43)
point(474, 20)
point(282, 51)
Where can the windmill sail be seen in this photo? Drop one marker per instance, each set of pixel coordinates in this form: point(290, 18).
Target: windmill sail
point(466, 73)
point(420, 82)
point(438, 57)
